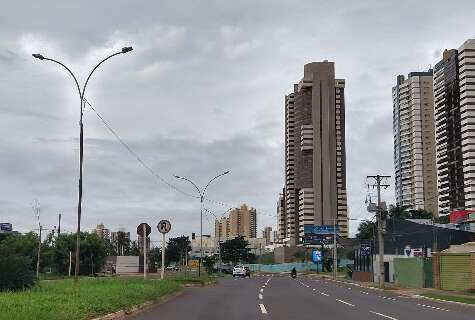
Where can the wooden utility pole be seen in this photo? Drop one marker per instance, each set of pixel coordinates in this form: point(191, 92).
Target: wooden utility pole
point(378, 179)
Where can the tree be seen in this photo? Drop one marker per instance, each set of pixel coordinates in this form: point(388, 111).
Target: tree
point(134, 249)
point(122, 243)
point(177, 248)
point(154, 258)
point(209, 262)
point(420, 214)
point(399, 212)
point(366, 230)
point(442, 219)
point(235, 250)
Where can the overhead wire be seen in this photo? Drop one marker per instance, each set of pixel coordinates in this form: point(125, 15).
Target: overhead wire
point(150, 170)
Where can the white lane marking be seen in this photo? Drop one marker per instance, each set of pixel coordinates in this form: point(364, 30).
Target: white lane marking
point(349, 288)
point(363, 292)
point(432, 307)
point(314, 289)
point(347, 303)
point(261, 291)
point(324, 294)
point(263, 309)
point(260, 296)
point(383, 315)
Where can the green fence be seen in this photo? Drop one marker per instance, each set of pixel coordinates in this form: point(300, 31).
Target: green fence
point(456, 271)
point(413, 272)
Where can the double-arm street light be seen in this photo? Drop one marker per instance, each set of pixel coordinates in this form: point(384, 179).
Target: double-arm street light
point(81, 134)
point(202, 195)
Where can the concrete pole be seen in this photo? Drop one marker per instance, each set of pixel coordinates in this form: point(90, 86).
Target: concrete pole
point(163, 258)
point(144, 239)
point(39, 256)
point(70, 263)
point(380, 234)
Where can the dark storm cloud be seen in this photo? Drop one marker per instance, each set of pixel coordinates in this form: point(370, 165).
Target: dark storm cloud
point(201, 93)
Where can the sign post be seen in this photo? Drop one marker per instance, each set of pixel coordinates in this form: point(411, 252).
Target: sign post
point(144, 230)
point(164, 226)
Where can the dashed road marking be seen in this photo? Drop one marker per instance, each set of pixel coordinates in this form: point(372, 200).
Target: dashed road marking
point(432, 307)
point(260, 296)
point(263, 308)
point(364, 292)
point(383, 315)
point(347, 303)
point(262, 290)
point(324, 294)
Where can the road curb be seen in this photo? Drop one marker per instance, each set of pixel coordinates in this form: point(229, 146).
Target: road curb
point(445, 301)
point(122, 314)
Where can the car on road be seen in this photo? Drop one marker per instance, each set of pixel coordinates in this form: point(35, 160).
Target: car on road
point(241, 271)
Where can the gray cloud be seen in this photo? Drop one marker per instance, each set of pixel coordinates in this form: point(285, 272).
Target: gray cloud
point(202, 92)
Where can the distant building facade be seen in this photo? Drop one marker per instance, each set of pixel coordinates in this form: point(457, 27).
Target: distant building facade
point(454, 98)
point(102, 232)
point(267, 235)
point(414, 142)
point(315, 165)
point(241, 222)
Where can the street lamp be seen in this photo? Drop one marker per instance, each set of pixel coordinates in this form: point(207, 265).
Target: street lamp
point(81, 135)
point(202, 195)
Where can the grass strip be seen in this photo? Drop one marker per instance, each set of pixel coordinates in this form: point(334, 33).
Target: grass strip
point(89, 298)
point(453, 298)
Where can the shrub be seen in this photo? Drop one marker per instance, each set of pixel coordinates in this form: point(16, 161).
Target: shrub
point(16, 273)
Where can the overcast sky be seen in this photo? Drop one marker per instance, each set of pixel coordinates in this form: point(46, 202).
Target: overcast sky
point(202, 92)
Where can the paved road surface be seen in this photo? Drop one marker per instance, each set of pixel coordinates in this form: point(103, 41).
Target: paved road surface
point(280, 297)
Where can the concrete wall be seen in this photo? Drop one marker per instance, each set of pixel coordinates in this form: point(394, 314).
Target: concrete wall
point(387, 258)
point(127, 264)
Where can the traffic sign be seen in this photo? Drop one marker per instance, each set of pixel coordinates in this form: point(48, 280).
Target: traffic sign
point(140, 229)
point(316, 256)
point(164, 226)
point(324, 229)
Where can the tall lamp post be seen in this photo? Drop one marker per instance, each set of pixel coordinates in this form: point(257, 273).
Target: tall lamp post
point(202, 195)
point(81, 135)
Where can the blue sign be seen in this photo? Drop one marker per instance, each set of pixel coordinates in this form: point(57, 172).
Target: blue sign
point(325, 229)
point(317, 239)
point(6, 227)
point(317, 256)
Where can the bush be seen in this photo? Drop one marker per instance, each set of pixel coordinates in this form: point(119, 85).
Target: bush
point(16, 273)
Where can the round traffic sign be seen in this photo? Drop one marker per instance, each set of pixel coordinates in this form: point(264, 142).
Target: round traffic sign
point(148, 229)
point(164, 226)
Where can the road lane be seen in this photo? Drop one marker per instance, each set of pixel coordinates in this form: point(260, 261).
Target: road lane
point(392, 304)
point(231, 298)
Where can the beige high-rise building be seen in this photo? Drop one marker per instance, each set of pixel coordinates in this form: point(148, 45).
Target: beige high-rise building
point(454, 98)
point(241, 222)
point(315, 166)
point(414, 142)
point(102, 232)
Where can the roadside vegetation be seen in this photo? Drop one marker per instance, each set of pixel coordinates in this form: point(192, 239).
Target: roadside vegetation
point(469, 298)
point(89, 298)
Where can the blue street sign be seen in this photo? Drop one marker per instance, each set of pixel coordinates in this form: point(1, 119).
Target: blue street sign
point(325, 229)
point(316, 256)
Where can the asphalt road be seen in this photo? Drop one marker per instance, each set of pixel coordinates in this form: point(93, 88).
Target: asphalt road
point(280, 297)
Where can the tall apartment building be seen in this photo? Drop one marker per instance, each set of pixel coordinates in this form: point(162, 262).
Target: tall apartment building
point(267, 235)
point(414, 142)
point(454, 98)
point(102, 231)
point(281, 225)
point(315, 166)
point(241, 222)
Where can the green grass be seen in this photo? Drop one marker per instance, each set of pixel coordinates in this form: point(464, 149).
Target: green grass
point(62, 299)
point(455, 298)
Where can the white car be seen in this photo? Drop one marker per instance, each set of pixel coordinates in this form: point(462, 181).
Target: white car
point(239, 271)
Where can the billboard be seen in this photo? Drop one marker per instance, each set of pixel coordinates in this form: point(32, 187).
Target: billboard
point(317, 256)
point(317, 239)
point(7, 227)
point(324, 229)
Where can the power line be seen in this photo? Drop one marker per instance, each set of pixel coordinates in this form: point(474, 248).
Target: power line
point(153, 172)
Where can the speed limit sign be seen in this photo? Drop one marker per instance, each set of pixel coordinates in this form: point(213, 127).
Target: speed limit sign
point(164, 226)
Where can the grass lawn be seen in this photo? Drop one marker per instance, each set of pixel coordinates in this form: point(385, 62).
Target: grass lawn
point(91, 297)
point(455, 298)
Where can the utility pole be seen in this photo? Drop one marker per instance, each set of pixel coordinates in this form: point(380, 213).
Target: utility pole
point(378, 179)
point(59, 224)
point(39, 255)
